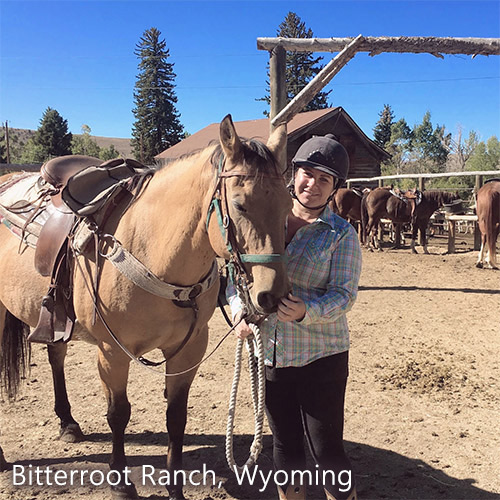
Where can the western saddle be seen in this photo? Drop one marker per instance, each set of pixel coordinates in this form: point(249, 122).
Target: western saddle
point(411, 197)
point(80, 188)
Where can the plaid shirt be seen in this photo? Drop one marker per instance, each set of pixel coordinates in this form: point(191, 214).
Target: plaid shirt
point(324, 265)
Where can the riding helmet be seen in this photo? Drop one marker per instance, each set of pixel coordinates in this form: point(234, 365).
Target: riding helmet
point(323, 153)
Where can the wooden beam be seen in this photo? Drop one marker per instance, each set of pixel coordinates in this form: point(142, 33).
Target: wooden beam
point(300, 101)
point(376, 45)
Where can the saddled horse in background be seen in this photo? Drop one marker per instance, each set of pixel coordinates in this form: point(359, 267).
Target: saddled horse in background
point(381, 203)
point(488, 217)
point(173, 231)
point(347, 204)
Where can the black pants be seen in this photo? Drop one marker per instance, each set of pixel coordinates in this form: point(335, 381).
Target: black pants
point(309, 400)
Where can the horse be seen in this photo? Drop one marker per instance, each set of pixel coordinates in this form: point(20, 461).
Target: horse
point(171, 228)
point(347, 204)
point(382, 203)
point(488, 217)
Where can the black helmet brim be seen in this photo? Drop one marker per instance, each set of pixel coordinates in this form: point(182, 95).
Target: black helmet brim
point(317, 166)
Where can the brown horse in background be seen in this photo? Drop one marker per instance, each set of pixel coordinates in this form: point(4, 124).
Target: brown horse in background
point(347, 204)
point(381, 203)
point(173, 230)
point(488, 216)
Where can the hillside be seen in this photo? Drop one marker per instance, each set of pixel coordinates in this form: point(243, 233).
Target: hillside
point(121, 145)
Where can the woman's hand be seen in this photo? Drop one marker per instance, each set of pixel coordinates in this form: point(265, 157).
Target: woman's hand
point(291, 308)
point(241, 330)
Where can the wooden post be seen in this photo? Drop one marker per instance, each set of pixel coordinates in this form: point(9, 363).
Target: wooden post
point(278, 94)
point(451, 236)
point(277, 81)
point(479, 183)
point(7, 145)
point(421, 187)
point(381, 183)
point(477, 236)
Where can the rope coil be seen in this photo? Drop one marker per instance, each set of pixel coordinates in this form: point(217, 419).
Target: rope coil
point(257, 377)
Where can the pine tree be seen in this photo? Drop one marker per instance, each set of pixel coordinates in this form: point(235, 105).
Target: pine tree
point(382, 130)
point(157, 125)
point(301, 67)
point(52, 137)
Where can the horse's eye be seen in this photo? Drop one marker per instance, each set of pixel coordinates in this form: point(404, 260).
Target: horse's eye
point(239, 206)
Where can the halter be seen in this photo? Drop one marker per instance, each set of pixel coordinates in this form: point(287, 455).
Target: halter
point(219, 204)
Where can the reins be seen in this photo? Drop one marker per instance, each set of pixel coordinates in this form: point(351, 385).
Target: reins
point(134, 270)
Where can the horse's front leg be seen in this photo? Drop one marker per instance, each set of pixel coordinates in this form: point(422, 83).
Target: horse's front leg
point(423, 234)
point(414, 234)
point(69, 431)
point(114, 369)
point(177, 391)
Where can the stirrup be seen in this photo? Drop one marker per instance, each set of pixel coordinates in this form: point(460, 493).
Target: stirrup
point(352, 496)
point(45, 333)
point(293, 492)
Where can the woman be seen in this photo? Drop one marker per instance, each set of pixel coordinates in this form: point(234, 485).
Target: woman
point(307, 340)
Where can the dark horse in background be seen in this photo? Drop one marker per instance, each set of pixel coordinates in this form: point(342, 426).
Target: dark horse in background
point(488, 217)
point(347, 204)
point(381, 203)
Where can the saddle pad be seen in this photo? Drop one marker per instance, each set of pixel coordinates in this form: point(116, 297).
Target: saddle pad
point(19, 199)
point(23, 186)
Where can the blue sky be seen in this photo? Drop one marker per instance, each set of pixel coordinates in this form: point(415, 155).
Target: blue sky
point(78, 58)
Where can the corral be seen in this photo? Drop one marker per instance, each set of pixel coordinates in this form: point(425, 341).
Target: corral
point(421, 411)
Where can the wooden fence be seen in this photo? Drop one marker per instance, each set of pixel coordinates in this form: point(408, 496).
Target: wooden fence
point(380, 180)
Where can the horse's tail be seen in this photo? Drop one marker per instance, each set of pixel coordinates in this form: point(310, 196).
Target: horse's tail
point(491, 219)
point(15, 355)
point(364, 219)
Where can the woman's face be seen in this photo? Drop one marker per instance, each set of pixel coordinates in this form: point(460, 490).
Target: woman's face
point(313, 187)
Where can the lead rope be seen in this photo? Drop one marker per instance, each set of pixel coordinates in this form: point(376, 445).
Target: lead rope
point(257, 377)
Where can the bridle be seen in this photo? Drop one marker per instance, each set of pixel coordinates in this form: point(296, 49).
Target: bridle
point(185, 296)
point(219, 205)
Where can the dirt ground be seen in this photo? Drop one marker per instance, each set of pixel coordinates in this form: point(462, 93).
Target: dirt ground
point(422, 409)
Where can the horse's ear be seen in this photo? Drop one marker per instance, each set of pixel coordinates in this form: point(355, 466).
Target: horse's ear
point(277, 145)
point(229, 140)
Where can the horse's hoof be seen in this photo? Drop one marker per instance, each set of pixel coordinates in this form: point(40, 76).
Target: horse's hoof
point(124, 491)
point(71, 433)
point(479, 265)
point(4, 465)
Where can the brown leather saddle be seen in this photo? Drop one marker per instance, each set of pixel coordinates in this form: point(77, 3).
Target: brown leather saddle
point(79, 187)
point(412, 197)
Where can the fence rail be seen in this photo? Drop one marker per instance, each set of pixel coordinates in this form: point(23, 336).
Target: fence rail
point(479, 175)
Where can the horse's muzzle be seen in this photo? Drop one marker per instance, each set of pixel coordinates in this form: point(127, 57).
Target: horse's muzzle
point(267, 302)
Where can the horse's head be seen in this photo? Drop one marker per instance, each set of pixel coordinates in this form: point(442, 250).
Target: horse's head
point(254, 205)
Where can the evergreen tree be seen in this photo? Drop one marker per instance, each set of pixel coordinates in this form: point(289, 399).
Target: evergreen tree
point(157, 125)
point(398, 146)
point(109, 153)
point(430, 146)
point(382, 130)
point(52, 137)
point(485, 156)
point(301, 67)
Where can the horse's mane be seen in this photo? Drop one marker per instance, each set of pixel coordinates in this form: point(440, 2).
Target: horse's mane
point(439, 197)
point(253, 150)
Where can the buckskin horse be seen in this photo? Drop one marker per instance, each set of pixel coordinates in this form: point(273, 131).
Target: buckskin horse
point(488, 217)
point(382, 203)
point(171, 228)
